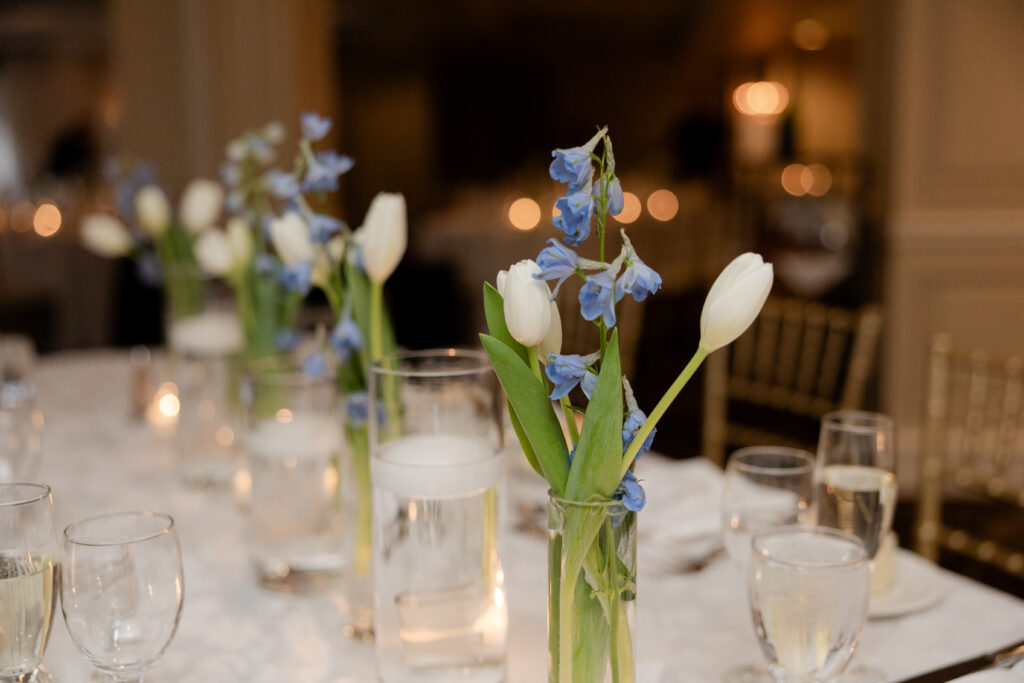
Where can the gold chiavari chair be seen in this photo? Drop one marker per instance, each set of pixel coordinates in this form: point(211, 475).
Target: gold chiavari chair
point(973, 454)
point(799, 360)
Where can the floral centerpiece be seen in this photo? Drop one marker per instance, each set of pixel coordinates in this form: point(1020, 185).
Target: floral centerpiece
point(594, 491)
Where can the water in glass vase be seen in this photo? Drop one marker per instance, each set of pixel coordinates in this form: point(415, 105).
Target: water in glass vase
point(27, 601)
point(441, 614)
point(859, 500)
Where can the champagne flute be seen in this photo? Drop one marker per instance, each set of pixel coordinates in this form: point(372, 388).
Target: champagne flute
point(809, 590)
point(29, 567)
point(122, 590)
point(857, 475)
point(765, 487)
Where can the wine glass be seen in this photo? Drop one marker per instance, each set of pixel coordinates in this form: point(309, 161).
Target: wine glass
point(857, 475)
point(809, 591)
point(121, 590)
point(765, 486)
point(29, 565)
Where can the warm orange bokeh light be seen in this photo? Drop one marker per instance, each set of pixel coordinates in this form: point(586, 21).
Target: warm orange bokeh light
point(21, 216)
point(47, 220)
point(630, 208)
point(761, 98)
point(813, 179)
point(663, 205)
point(524, 214)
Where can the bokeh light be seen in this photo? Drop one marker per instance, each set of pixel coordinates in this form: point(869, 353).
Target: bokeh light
point(761, 98)
point(810, 34)
point(524, 214)
point(821, 180)
point(21, 216)
point(47, 220)
point(663, 205)
point(813, 179)
point(630, 208)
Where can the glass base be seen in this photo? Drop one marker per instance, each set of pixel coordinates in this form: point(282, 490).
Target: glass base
point(751, 673)
point(306, 576)
point(356, 632)
point(862, 674)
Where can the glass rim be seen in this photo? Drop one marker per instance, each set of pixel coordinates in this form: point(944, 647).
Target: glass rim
point(611, 502)
point(375, 456)
point(291, 375)
point(484, 367)
point(858, 544)
point(859, 421)
point(796, 453)
point(140, 538)
point(43, 489)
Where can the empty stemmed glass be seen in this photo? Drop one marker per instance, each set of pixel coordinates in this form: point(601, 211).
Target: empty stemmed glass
point(809, 591)
point(28, 568)
point(121, 590)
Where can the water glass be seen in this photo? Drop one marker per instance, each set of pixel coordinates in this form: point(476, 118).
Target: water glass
point(121, 590)
point(809, 590)
point(857, 475)
point(765, 486)
point(21, 422)
point(29, 566)
point(436, 469)
point(294, 447)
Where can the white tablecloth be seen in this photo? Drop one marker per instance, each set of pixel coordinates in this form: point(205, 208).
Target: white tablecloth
point(692, 627)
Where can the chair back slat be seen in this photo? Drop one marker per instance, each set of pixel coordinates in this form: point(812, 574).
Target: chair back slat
point(811, 346)
point(767, 344)
point(789, 344)
point(832, 357)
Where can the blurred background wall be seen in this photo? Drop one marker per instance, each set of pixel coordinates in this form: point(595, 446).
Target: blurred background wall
point(871, 149)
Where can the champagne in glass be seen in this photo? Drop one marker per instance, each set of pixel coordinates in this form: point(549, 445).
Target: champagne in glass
point(27, 578)
point(857, 475)
point(809, 590)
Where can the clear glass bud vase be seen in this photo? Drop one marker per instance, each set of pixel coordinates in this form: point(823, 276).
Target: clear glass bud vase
point(591, 592)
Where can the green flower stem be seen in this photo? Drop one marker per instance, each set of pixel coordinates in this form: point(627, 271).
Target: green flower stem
point(659, 410)
point(531, 351)
point(570, 419)
point(359, 440)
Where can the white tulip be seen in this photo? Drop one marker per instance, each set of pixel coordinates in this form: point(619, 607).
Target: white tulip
point(500, 282)
point(734, 301)
point(552, 341)
point(383, 235)
point(290, 236)
point(105, 235)
point(527, 303)
point(336, 248)
point(153, 210)
point(240, 237)
point(213, 252)
point(200, 205)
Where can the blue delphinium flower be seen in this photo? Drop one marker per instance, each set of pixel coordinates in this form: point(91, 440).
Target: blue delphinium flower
point(571, 166)
point(616, 200)
point(282, 185)
point(596, 298)
point(267, 264)
point(588, 383)
point(230, 174)
point(630, 426)
point(638, 279)
point(286, 339)
point(314, 126)
point(358, 409)
point(346, 336)
point(315, 365)
point(556, 261)
point(574, 220)
point(298, 278)
point(565, 372)
point(324, 169)
point(322, 226)
point(631, 493)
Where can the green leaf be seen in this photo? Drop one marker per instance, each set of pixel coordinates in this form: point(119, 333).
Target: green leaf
point(358, 290)
point(524, 441)
point(595, 466)
point(494, 311)
point(532, 407)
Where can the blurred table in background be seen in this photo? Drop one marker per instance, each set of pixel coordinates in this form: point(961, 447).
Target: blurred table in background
point(692, 627)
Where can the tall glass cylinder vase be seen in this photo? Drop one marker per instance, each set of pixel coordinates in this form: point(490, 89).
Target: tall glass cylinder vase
point(204, 338)
point(440, 611)
point(591, 592)
point(296, 459)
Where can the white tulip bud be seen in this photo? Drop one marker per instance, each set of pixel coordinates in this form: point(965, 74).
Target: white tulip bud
point(213, 252)
point(153, 210)
point(105, 235)
point(734, 300)
point(527, 304)
point(336, 248)
point(383, 236)
point(321, 272)
point(552, 341)
point(500, 282)
point(240, 237)
point(200, 205)
point(290, 236)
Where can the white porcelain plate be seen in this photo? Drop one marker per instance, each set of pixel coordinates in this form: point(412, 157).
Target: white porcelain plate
point(919, 585)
